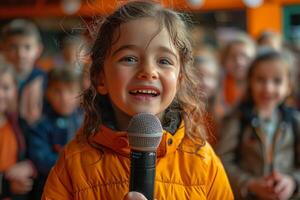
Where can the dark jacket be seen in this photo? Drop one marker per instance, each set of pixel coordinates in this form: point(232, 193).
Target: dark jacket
point(46, 139)
point(48, 136)
point(242, 147)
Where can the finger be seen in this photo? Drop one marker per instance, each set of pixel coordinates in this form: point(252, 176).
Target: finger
point(24, 187)
point(28, 182)
point(277, 176)
point(134, 196)
point(280, 186)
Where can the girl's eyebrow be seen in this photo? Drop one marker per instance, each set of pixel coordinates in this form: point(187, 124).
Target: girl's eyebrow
point(131, 46)
point(127, 46)
point(168, 50)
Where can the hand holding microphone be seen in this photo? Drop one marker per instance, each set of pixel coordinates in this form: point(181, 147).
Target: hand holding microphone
point(134, 196)
point(144, 133)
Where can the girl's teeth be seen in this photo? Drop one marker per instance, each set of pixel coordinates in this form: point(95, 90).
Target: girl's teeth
point(144, 91)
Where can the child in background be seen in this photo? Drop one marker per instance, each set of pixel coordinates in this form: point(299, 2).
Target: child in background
point(235, 59)
point(269, 39)
point(22, 46)
point(259, 144)
point(58, 124)
point(16, 172)
point(137, 70)
point(207, 68)
point(74, 49)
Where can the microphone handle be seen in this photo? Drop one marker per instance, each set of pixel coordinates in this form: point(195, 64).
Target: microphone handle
point(142, 172)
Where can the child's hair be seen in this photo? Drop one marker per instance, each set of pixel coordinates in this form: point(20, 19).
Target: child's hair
point(62, 75)
point(240, 38)
point(70, 40)
point(270, 54)
point(187, 102)
point(20, 27)
point(268, 34)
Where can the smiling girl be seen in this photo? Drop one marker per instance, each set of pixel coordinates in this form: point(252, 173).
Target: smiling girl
point(141, 63)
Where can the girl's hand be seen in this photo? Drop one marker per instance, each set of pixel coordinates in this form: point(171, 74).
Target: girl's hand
point(262, 188)
point(21, 170)
point(134, 196)
point(284, 187)
point(21, 186)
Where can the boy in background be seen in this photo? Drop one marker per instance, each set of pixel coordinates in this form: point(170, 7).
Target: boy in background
point(58, 124)
point(22, 46)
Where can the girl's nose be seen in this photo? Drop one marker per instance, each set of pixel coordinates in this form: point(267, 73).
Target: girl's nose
point(21, 51)
point(147, 71)
point(269, 86)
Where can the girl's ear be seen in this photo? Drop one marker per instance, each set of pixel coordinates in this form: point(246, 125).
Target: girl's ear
point(101, 88)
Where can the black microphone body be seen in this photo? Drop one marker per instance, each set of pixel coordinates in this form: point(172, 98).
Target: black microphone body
point(142, 172)
point(144, 135)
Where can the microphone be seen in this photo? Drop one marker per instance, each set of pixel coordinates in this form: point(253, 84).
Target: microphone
point(144, 133)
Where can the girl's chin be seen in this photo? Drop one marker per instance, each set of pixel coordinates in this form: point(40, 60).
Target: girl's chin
point(144, 111)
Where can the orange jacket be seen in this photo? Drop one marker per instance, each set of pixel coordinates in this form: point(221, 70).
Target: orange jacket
point(8, 147)
point(102, 171)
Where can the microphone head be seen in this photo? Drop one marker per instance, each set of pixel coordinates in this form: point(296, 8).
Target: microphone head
point(144, 132)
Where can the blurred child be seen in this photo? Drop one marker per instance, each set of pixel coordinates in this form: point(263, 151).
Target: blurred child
point(136, 70)
point(22, 46)
point(16, 172)
point(73, 53)
point(207, 68)
point(235, 59)
point(269, 39)
point(259, 144)
point(58, 124)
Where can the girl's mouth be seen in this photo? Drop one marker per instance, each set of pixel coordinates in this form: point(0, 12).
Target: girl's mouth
point(150, 92)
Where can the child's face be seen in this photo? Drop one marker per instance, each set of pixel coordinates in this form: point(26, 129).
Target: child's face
point(237, 60)
point(141, 72)
point(209, 73)
point(269, 84)
point(63, 97)
point(8, 91)
point(22, 51)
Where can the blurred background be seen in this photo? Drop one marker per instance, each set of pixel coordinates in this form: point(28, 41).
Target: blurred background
point(57, 18)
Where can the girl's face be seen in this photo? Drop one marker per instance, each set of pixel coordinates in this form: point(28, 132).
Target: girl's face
point(142, 69)
point(269, 84)
point(8, 91)
point(237, 60)
point(209, 72)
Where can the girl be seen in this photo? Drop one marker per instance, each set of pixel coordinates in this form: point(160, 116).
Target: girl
point(259, 144)
point(235, 59)
point(138, 70)
point(206, 67)
point(15, 172)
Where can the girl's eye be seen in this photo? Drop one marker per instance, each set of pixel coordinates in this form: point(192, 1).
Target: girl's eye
point(277, 81)
point(165, 61)
point(129, 59)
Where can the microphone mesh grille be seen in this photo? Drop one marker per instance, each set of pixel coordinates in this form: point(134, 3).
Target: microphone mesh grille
point(144, 132)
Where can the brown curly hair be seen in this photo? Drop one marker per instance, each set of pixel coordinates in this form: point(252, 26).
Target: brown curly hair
point(187, 102)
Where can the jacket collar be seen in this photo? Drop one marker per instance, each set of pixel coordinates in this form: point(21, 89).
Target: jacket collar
point(118, 140)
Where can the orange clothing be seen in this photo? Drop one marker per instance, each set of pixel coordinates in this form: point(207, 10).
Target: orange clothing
point(86, 172)
point(8, 147)
point(232, 91)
